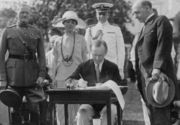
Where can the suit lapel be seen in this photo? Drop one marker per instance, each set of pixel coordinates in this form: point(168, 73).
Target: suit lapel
point(141, 34)
point(104, 67)
point(145, 28)
point(103, 70)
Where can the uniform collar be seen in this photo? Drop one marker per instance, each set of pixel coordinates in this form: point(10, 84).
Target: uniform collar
point(23, 25)
point(149, 18)
point(102, 24)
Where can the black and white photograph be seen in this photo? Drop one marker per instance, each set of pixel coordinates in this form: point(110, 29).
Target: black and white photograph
point(89, 62)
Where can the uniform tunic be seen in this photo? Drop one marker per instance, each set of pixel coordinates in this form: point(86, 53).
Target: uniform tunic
point(18, 72)
point(112, 35)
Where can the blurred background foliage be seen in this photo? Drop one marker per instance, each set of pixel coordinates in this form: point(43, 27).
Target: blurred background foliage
point(45, 11)
point(6, 15)
point(119, 14)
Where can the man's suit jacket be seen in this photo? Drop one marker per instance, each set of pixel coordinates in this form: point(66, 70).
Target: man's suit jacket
point(86, 70)
point(153, 49)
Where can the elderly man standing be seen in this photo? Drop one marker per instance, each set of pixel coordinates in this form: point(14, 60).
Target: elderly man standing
point(153, 56)
point(24, 69)
point(110, 33)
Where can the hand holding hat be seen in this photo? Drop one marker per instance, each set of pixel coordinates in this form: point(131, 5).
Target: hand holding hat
point(160, 91)
point(155, 74)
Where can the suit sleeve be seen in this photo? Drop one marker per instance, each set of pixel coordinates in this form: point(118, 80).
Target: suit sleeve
point(116, 75)
point(3, 50)
point(77, 73)
point(120, 49)
point(164, 45)
point(41, 56)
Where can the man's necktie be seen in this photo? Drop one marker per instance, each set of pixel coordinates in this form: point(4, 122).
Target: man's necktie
point(97, 72)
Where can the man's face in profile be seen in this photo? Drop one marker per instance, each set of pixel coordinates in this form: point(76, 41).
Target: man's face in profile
point(140, 13)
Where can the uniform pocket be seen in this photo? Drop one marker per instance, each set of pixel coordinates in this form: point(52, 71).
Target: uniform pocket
point(11, 72)
point(11, 64)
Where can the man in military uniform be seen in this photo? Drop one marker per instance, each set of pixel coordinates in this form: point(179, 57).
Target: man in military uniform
point(110, 33)
point(24, 69)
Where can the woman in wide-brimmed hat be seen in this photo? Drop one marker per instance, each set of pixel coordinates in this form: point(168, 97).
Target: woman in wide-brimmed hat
point(70, 50)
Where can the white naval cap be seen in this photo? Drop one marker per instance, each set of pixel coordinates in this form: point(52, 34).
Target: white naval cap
point(102, 6)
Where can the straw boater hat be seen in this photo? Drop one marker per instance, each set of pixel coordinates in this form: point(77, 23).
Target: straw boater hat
point(70, 15)
point(161, 92)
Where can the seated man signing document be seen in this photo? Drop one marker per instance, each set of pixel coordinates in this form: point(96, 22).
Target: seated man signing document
point(93, 73)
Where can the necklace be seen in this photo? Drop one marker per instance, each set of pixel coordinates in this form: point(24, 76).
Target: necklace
point(68, 60)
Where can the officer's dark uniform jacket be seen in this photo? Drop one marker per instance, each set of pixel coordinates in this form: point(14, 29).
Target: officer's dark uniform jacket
point(25, 62)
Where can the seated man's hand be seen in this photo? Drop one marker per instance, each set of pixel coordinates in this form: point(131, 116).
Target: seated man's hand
point(82, 83)
point(71, 83)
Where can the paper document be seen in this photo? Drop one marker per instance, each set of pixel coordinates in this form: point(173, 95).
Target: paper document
point(115, 88)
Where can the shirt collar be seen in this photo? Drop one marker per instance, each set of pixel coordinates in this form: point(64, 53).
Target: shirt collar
point(100, 65)
point(147, 19)
point(102, 24)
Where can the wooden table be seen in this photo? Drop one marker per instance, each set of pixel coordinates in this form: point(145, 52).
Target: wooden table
point(64, 96)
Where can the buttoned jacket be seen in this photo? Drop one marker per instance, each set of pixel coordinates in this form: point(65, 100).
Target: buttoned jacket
point(19, 72)
point(153, 49)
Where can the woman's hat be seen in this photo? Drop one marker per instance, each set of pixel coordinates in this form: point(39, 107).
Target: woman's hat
point(161, 92)
point(70, 15)
point(10, 98)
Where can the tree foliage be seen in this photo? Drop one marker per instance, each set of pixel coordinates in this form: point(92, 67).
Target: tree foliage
point(8, 13)
point(118, 14)
point(6, 16)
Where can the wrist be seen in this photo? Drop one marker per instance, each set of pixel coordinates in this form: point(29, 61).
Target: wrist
point(155, 71)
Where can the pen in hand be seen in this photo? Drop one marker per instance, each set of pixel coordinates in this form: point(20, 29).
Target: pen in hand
point(81, 76)
point(82, 83)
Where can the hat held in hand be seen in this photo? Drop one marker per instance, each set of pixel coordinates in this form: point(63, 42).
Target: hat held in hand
point(10, 98)
point(161, 92)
